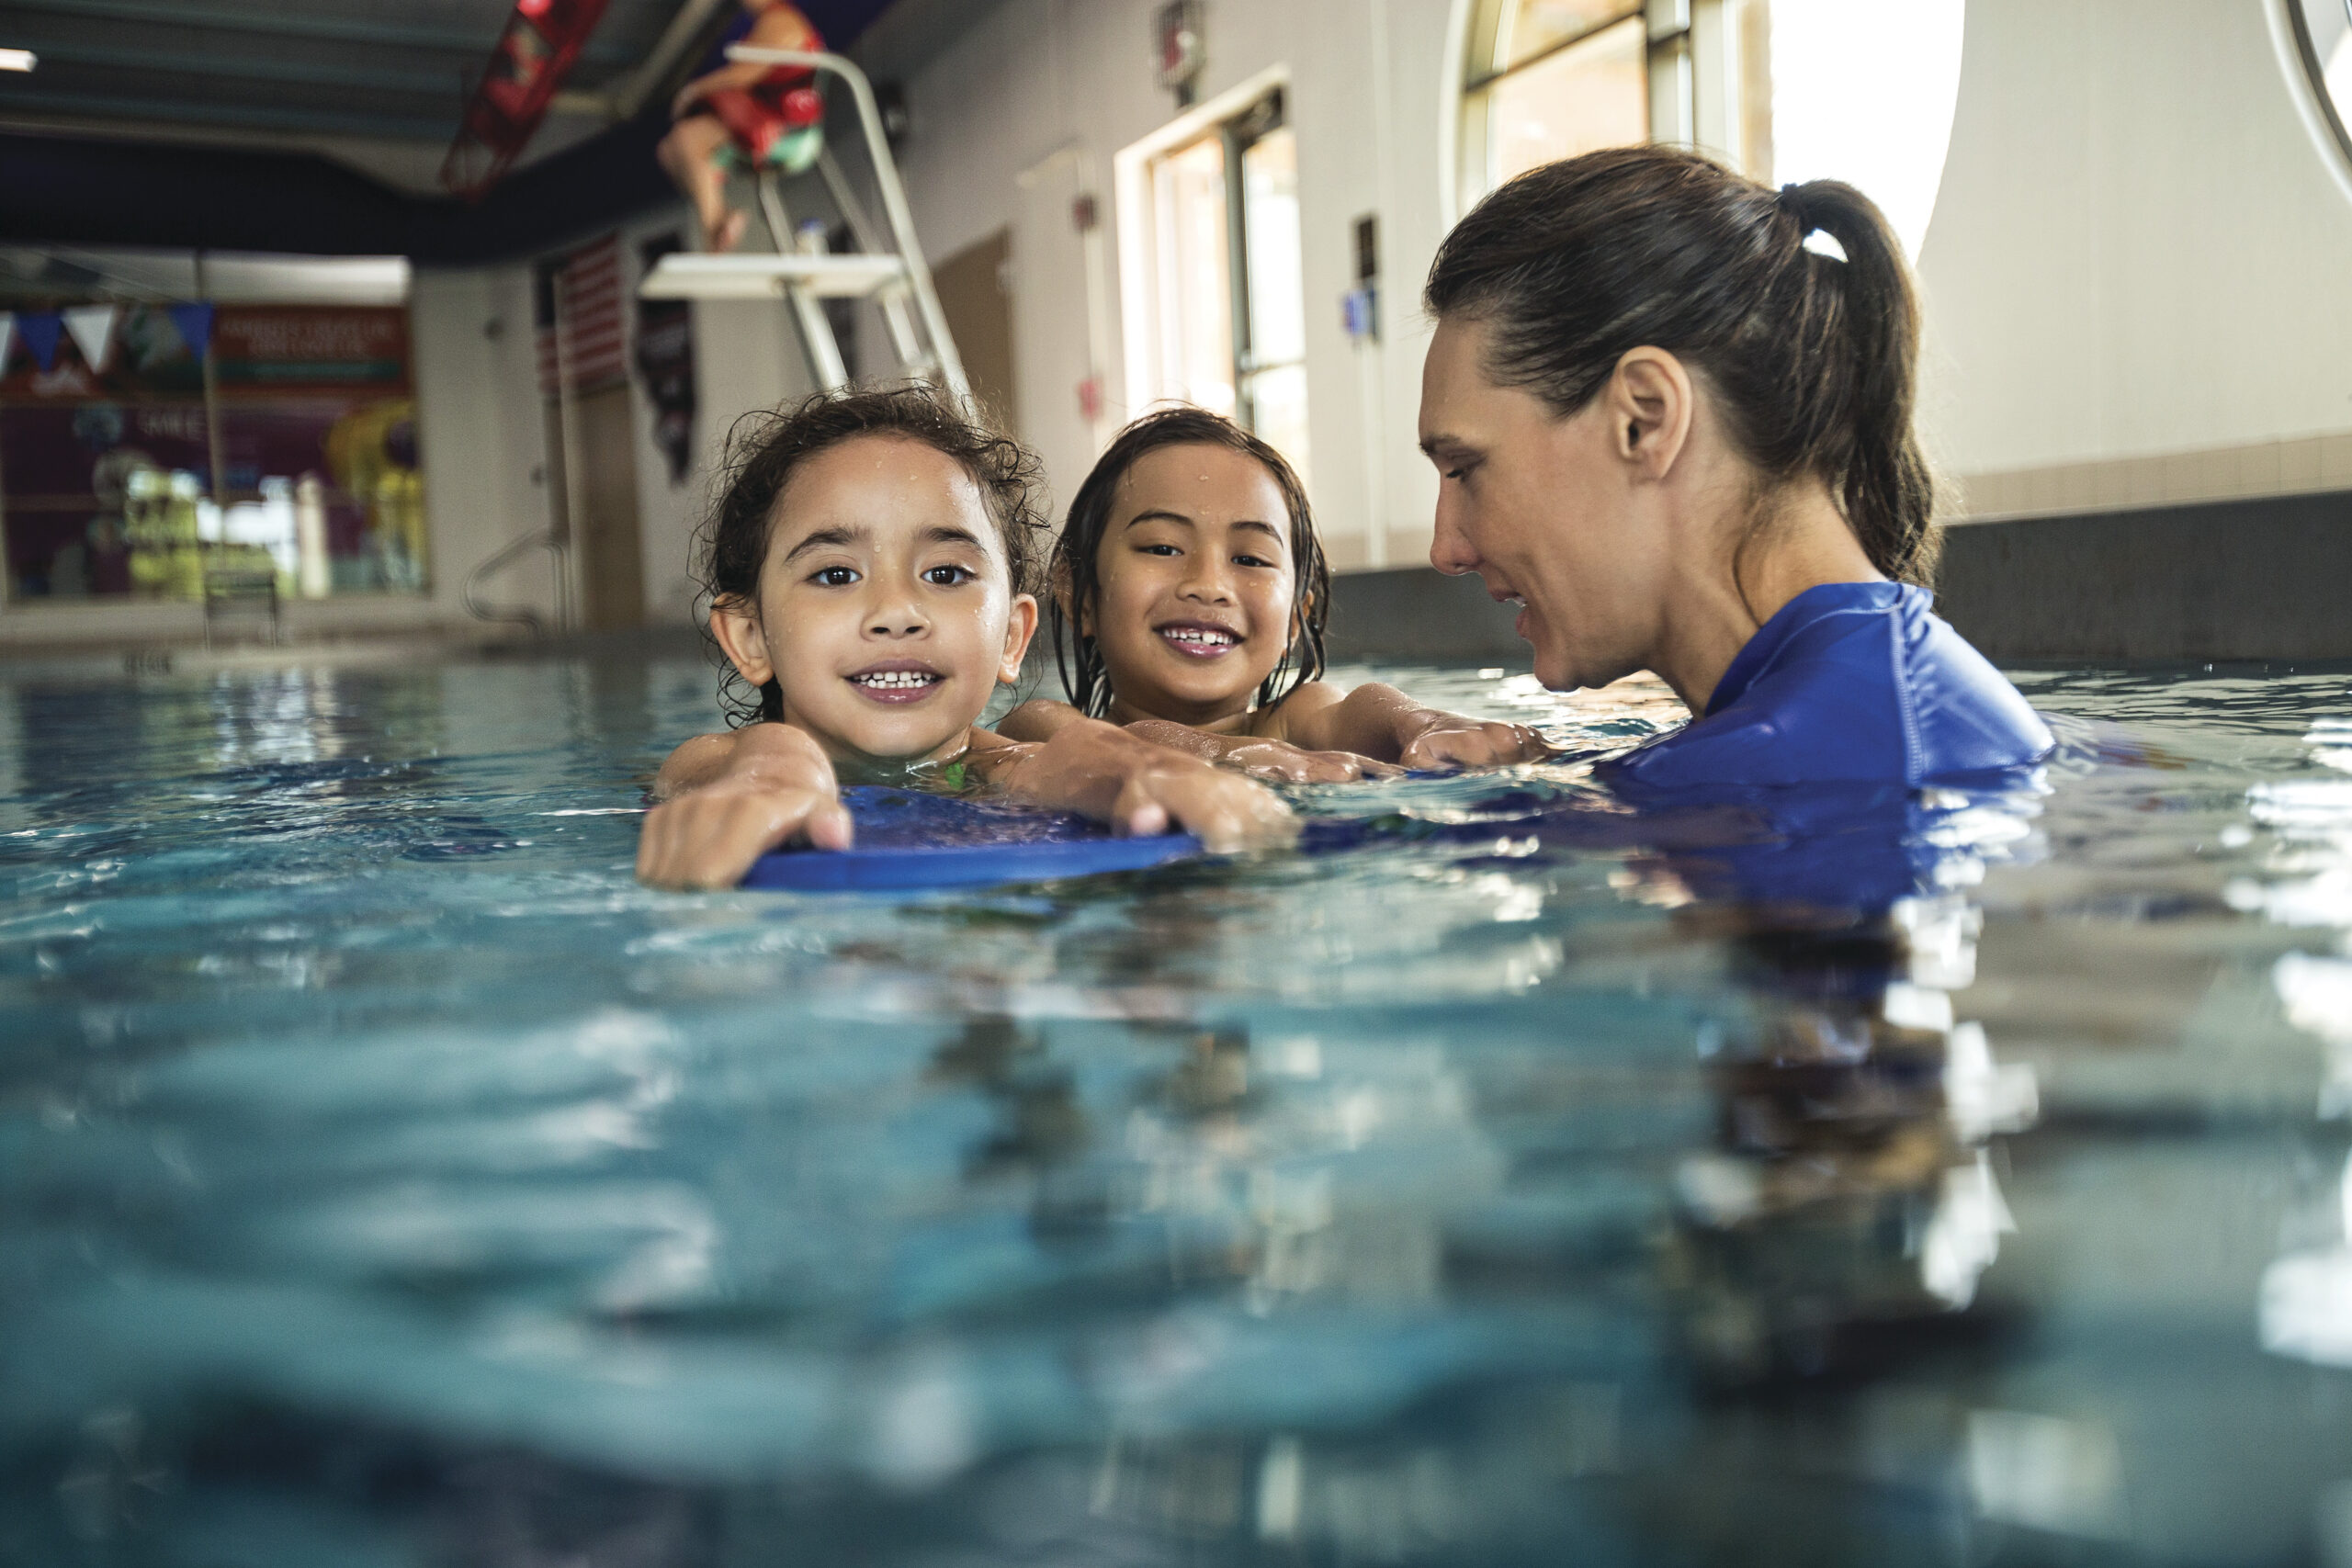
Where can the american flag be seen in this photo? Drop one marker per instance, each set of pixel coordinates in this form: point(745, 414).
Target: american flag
point(580, 296)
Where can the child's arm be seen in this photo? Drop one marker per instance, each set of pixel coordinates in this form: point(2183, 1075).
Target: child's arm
point(1102, 771)
point(1382, 722)
point(728, 799)
point(1277, 761)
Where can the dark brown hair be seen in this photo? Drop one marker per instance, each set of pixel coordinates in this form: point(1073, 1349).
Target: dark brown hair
point(1814, 359)
point(765, 447)
point(1076, 561)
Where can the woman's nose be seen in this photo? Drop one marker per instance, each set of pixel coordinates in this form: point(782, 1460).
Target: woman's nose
point(1450, 549)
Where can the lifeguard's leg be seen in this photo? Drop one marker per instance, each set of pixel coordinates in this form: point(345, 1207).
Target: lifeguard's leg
point(690, 154)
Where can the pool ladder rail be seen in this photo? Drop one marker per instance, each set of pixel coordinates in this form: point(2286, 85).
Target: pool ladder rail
point(805, 273)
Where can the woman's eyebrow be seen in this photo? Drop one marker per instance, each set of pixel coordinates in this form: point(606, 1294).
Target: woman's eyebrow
point(1160, 514)
point(824, 538)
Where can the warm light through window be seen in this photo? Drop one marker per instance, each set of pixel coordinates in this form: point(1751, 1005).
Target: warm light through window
point(1549, 79)
point(1591, 94)
point(1864, 92)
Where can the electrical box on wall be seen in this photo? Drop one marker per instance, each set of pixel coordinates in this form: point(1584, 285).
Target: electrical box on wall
point(1360, 307)
point(1178, 48)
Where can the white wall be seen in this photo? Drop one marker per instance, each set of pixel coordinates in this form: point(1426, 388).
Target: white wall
point(481, 441)
point(479, 435)
point(1039, 78)
point(2137, 248)
point(2138, 251)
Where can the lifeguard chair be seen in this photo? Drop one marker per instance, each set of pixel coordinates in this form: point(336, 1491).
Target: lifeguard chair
point(887, 269)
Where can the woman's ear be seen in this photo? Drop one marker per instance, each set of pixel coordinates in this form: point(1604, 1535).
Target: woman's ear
point(735, 622)
point(1019, 628)
point(1650, 401)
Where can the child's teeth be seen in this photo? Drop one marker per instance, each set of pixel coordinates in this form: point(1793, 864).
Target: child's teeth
point(897, 679)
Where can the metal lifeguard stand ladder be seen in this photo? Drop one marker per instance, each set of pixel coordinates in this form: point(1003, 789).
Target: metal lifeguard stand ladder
point(893, 275)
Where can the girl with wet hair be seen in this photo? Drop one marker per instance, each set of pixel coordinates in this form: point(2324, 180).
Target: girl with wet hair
point(1678, 431)
point(868, 564)
point(1189, 596)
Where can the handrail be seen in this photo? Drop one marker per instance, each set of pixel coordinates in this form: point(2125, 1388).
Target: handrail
point(893, 195)
point(544, 539)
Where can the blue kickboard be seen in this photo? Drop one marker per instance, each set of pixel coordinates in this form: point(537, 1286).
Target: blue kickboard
point(906, 840)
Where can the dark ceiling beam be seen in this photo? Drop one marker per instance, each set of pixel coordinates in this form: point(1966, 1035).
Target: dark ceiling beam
point(290, 22)
point(66, 107)
point(64, 190)
point(440, 84)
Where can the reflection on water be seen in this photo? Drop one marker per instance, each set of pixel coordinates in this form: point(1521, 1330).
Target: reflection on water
point(1523, 1175)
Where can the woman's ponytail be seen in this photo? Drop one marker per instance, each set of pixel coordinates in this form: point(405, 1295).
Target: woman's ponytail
point(1814, 360)
point(1887, 492)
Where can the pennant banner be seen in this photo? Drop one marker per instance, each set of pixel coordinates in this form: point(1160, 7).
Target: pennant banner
point(194, 324)
point(42, 328)
point(92, 327)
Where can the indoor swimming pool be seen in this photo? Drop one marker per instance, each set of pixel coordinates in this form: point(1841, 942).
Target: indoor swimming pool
point(386, 1178)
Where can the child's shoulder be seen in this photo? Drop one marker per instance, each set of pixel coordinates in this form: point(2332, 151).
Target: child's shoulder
point(1274, 722)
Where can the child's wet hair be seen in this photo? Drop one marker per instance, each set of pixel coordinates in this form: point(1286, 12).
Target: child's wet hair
point(766, 447)
point(1076, 568)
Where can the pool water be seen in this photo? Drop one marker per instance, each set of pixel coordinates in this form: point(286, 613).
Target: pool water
point(385, 1178)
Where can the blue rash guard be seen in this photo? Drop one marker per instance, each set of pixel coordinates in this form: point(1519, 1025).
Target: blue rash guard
point(1849, 683)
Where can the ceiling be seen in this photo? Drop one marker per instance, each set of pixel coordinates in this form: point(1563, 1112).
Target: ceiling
point(377, 85)
point(318, 127)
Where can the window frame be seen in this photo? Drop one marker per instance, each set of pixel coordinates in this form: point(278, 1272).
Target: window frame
point(1475, 84)
point(1237, 119)
point(2314, 96)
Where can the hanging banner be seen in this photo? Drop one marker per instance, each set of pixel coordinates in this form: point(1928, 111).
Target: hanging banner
point(194, 323)
point(259, 350)
point(42, 328)
point(665, 362)
point(92, 329)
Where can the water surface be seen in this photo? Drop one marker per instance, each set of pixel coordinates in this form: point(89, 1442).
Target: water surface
point(385, 1178)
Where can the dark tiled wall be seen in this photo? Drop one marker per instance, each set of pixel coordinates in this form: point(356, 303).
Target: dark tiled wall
point(2262, 579)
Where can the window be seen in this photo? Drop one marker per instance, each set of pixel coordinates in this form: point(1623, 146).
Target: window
point(1865, 92)
point(1785, 90)
point(109, 441)
point(1229, 328)
point(1549, 79)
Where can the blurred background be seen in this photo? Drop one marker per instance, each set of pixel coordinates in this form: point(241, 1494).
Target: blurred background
point(324, 316)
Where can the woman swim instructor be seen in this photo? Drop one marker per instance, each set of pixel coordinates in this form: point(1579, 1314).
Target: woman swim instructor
point(1683, 441)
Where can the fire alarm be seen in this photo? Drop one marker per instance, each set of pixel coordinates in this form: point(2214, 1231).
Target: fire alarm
point(1176, 38)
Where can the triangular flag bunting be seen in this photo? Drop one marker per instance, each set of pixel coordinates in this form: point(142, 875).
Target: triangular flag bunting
point(7, 337)
point(195, 322)
point(92, 329)
point(41, 329)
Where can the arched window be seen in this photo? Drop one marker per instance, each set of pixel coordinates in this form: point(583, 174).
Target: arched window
point(1547, 79)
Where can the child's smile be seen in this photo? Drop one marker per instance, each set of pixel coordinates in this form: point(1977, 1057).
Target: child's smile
point(904, 681)
point(1203, 640)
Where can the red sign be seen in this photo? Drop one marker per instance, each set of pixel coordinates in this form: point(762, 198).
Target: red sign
point(542, 41)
